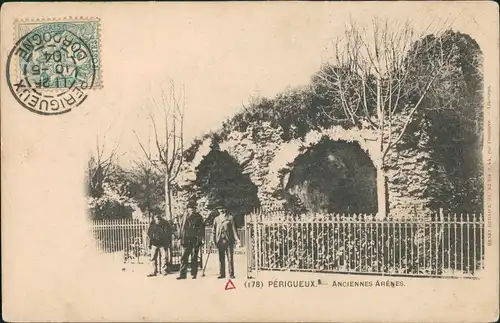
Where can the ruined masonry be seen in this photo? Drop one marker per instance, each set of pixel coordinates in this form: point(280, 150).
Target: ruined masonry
point(266, 155)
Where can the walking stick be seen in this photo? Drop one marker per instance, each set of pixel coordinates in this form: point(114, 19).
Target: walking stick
point(206, 262)
point(228, 263)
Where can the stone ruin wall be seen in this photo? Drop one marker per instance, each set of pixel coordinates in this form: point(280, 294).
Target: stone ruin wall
point(265, 154)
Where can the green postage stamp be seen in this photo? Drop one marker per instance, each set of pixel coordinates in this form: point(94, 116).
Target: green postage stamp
point(54, 63)
point(68, 49)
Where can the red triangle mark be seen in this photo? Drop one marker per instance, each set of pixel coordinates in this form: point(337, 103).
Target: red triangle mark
point(229, 285)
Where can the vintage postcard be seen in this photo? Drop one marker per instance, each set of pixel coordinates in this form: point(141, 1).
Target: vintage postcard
point(250, 162)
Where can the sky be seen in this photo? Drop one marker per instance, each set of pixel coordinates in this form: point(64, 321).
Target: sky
point(223, 58)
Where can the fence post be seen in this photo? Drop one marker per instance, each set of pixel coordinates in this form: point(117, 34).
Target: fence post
point(123, 232)
point(439, 238)
point(247, 250)
point(256, 249)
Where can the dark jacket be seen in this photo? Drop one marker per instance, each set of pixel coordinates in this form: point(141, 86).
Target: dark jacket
point(192, 229)
point(160, 234)
point(224, 225)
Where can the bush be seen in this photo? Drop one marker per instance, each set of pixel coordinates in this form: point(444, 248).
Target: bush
point(362, 245)
point(110, 206)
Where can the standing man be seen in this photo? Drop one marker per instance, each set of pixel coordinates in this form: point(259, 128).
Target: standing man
point(224, 237)
point(170, 231)
point(158, 243)
point(191, 234)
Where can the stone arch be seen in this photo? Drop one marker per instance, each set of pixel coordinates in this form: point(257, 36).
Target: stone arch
point(288, 151)
point(217, 179)
point(333, 176)
point(267, 160)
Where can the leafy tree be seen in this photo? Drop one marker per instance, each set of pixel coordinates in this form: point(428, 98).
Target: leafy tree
point(109, 200)
point(110, 205)
point(106, 187)
point(295, 113)
point(145, 185)
point(452, 118)
point(220, 177)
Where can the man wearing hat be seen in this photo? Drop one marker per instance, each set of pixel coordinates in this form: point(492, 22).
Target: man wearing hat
point(191, 234)
point(225, 236)
point(159, 243)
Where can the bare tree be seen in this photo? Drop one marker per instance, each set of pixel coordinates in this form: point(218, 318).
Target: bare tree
point(101, 166)
point(379, 79)
point(166, 118)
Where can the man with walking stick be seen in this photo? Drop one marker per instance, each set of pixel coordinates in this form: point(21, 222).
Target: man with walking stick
point(191, 234)
point(225, 237)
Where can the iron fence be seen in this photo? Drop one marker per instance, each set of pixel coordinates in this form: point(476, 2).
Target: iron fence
point(125, 236)
point(448, 245)
point(128, 237)
point(209, 247)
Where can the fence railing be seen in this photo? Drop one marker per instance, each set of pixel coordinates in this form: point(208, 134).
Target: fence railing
point(128, 238)
point(125, 236)
point(448, 245)
point(210, 247)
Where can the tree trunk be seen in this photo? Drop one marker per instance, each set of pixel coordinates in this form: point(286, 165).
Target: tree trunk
point(168, 198)
point(381, 191)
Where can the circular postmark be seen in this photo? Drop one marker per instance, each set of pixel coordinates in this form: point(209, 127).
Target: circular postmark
point(50, 70)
